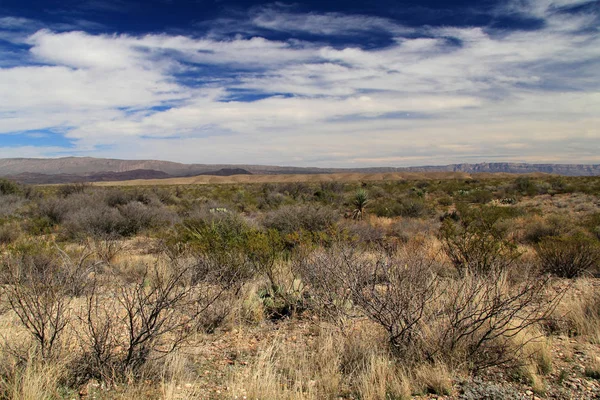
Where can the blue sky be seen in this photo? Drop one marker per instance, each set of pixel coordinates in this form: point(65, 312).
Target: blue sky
point(338, 83)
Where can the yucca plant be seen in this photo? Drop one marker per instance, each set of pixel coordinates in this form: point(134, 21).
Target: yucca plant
point(361, 198)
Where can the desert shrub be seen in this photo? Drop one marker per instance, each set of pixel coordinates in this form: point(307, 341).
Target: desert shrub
point(328, 192)
point(117, 197)
point(139, 216)
point(126, 220)
point(218, 241)
point(407, 228)
point(126, 324)
point(445, 201)
point(525, 185)
point(296, 190)
point(476, 242)
point(52, 210)
point(9, 233)
point(478, 196)
point(271, 200)
point(364, 232)
point(213, 229)
point(539, 228)
point(290, 219)
point(8, 187)
point(471, 321)
point(284, 293)
point(10, 203)
point(592, 223)
point(412, 207)
point(95, 221)
point(569, 256)
point(38, 291)
point(72, 188)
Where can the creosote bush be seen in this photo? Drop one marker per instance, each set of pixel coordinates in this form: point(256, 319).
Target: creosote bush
point(291, 219)
point(469, 321)
point(150, 317)
point(476, 243)
point(569, 256)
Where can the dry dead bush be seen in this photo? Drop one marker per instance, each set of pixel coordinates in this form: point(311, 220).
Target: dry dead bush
point(470, 321)
point(106, 248)
point(125, 324)
point(39, 290)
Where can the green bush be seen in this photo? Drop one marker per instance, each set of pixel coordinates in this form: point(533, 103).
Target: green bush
point(404, 207)
point(9, 187)
point(311, 218)
point(569, 256)
point(476, 242)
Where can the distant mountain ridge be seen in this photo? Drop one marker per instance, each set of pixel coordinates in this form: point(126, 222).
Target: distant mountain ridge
point(77, 169)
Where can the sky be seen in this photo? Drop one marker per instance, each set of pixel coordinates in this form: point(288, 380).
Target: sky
point(311, 83)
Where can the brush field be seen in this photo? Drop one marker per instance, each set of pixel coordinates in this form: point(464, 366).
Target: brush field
point(341, 286)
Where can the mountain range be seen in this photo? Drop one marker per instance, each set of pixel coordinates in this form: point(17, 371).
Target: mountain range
point(80, 169)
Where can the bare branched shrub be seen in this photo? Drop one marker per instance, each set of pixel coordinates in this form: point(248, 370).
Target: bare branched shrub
point(37, 294)
point(471, 320)
point(127, 324)
point(482, 318)
point(106, 248)
point(569, 256)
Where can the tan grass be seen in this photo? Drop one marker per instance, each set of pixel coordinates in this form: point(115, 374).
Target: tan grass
point(34, 381)
point(433, 378)
point(383, 379)
point(578, 313)
point(283, 178)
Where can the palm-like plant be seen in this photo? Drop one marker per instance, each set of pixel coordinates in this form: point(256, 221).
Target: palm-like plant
point(361, 198)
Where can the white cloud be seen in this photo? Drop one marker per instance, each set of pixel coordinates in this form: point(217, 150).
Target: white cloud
point(420, 100)
point(337, 24)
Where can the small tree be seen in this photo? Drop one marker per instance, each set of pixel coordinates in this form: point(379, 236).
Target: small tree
point(361, 198)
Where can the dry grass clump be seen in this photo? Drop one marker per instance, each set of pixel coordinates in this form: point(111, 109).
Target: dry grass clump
point(323, 367)
point(382, 378)
point(433, 378)
point(32, 379)
point(592, 369)
point(285, 370)
point(578, 313)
